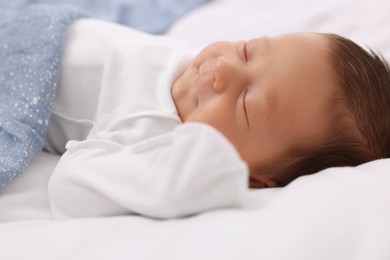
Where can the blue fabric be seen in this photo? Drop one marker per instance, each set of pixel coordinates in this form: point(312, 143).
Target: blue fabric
point(30, 47)
point(152, 16)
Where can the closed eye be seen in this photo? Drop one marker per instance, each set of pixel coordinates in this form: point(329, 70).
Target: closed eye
point(244, 52)
point(244, 106)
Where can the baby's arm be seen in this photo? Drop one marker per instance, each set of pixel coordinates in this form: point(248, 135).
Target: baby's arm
point(187, 171)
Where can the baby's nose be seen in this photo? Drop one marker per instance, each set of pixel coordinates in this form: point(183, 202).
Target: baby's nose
point(227, 74)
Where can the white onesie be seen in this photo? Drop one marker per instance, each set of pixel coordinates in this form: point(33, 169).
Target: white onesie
point(130, 153)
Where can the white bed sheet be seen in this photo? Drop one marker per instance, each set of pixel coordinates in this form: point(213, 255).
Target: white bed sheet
point(26, 197)
point(340, 213)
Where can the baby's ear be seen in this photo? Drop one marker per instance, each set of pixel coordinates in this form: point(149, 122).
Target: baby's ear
point(262, 182)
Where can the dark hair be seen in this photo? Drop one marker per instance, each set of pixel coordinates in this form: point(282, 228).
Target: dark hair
point(360, 133)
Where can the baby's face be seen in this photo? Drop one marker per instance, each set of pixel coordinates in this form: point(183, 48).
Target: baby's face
point(266, 95)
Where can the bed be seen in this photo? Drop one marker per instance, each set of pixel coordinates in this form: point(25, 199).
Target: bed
point(338, 213)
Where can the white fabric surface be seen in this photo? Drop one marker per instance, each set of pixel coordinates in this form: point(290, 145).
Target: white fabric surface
point(340, 213)
point(167, 176)
point(364, 21)
point(26, 197)
point(102, 60)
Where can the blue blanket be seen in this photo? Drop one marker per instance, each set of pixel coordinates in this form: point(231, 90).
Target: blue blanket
point(31, 41)
point(30, 49)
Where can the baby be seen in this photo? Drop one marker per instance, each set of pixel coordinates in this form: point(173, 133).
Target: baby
point(291, 105)
point(163, 137)
point(269, 96)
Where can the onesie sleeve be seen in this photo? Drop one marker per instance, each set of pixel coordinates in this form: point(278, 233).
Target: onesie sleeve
point(186, 171)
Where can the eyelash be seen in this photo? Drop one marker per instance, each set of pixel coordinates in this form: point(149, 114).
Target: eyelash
point(244, 105)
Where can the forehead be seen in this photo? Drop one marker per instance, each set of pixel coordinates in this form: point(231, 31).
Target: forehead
point(301, 82)
point(298, 65)
point(303, 55)
point(299, 59)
